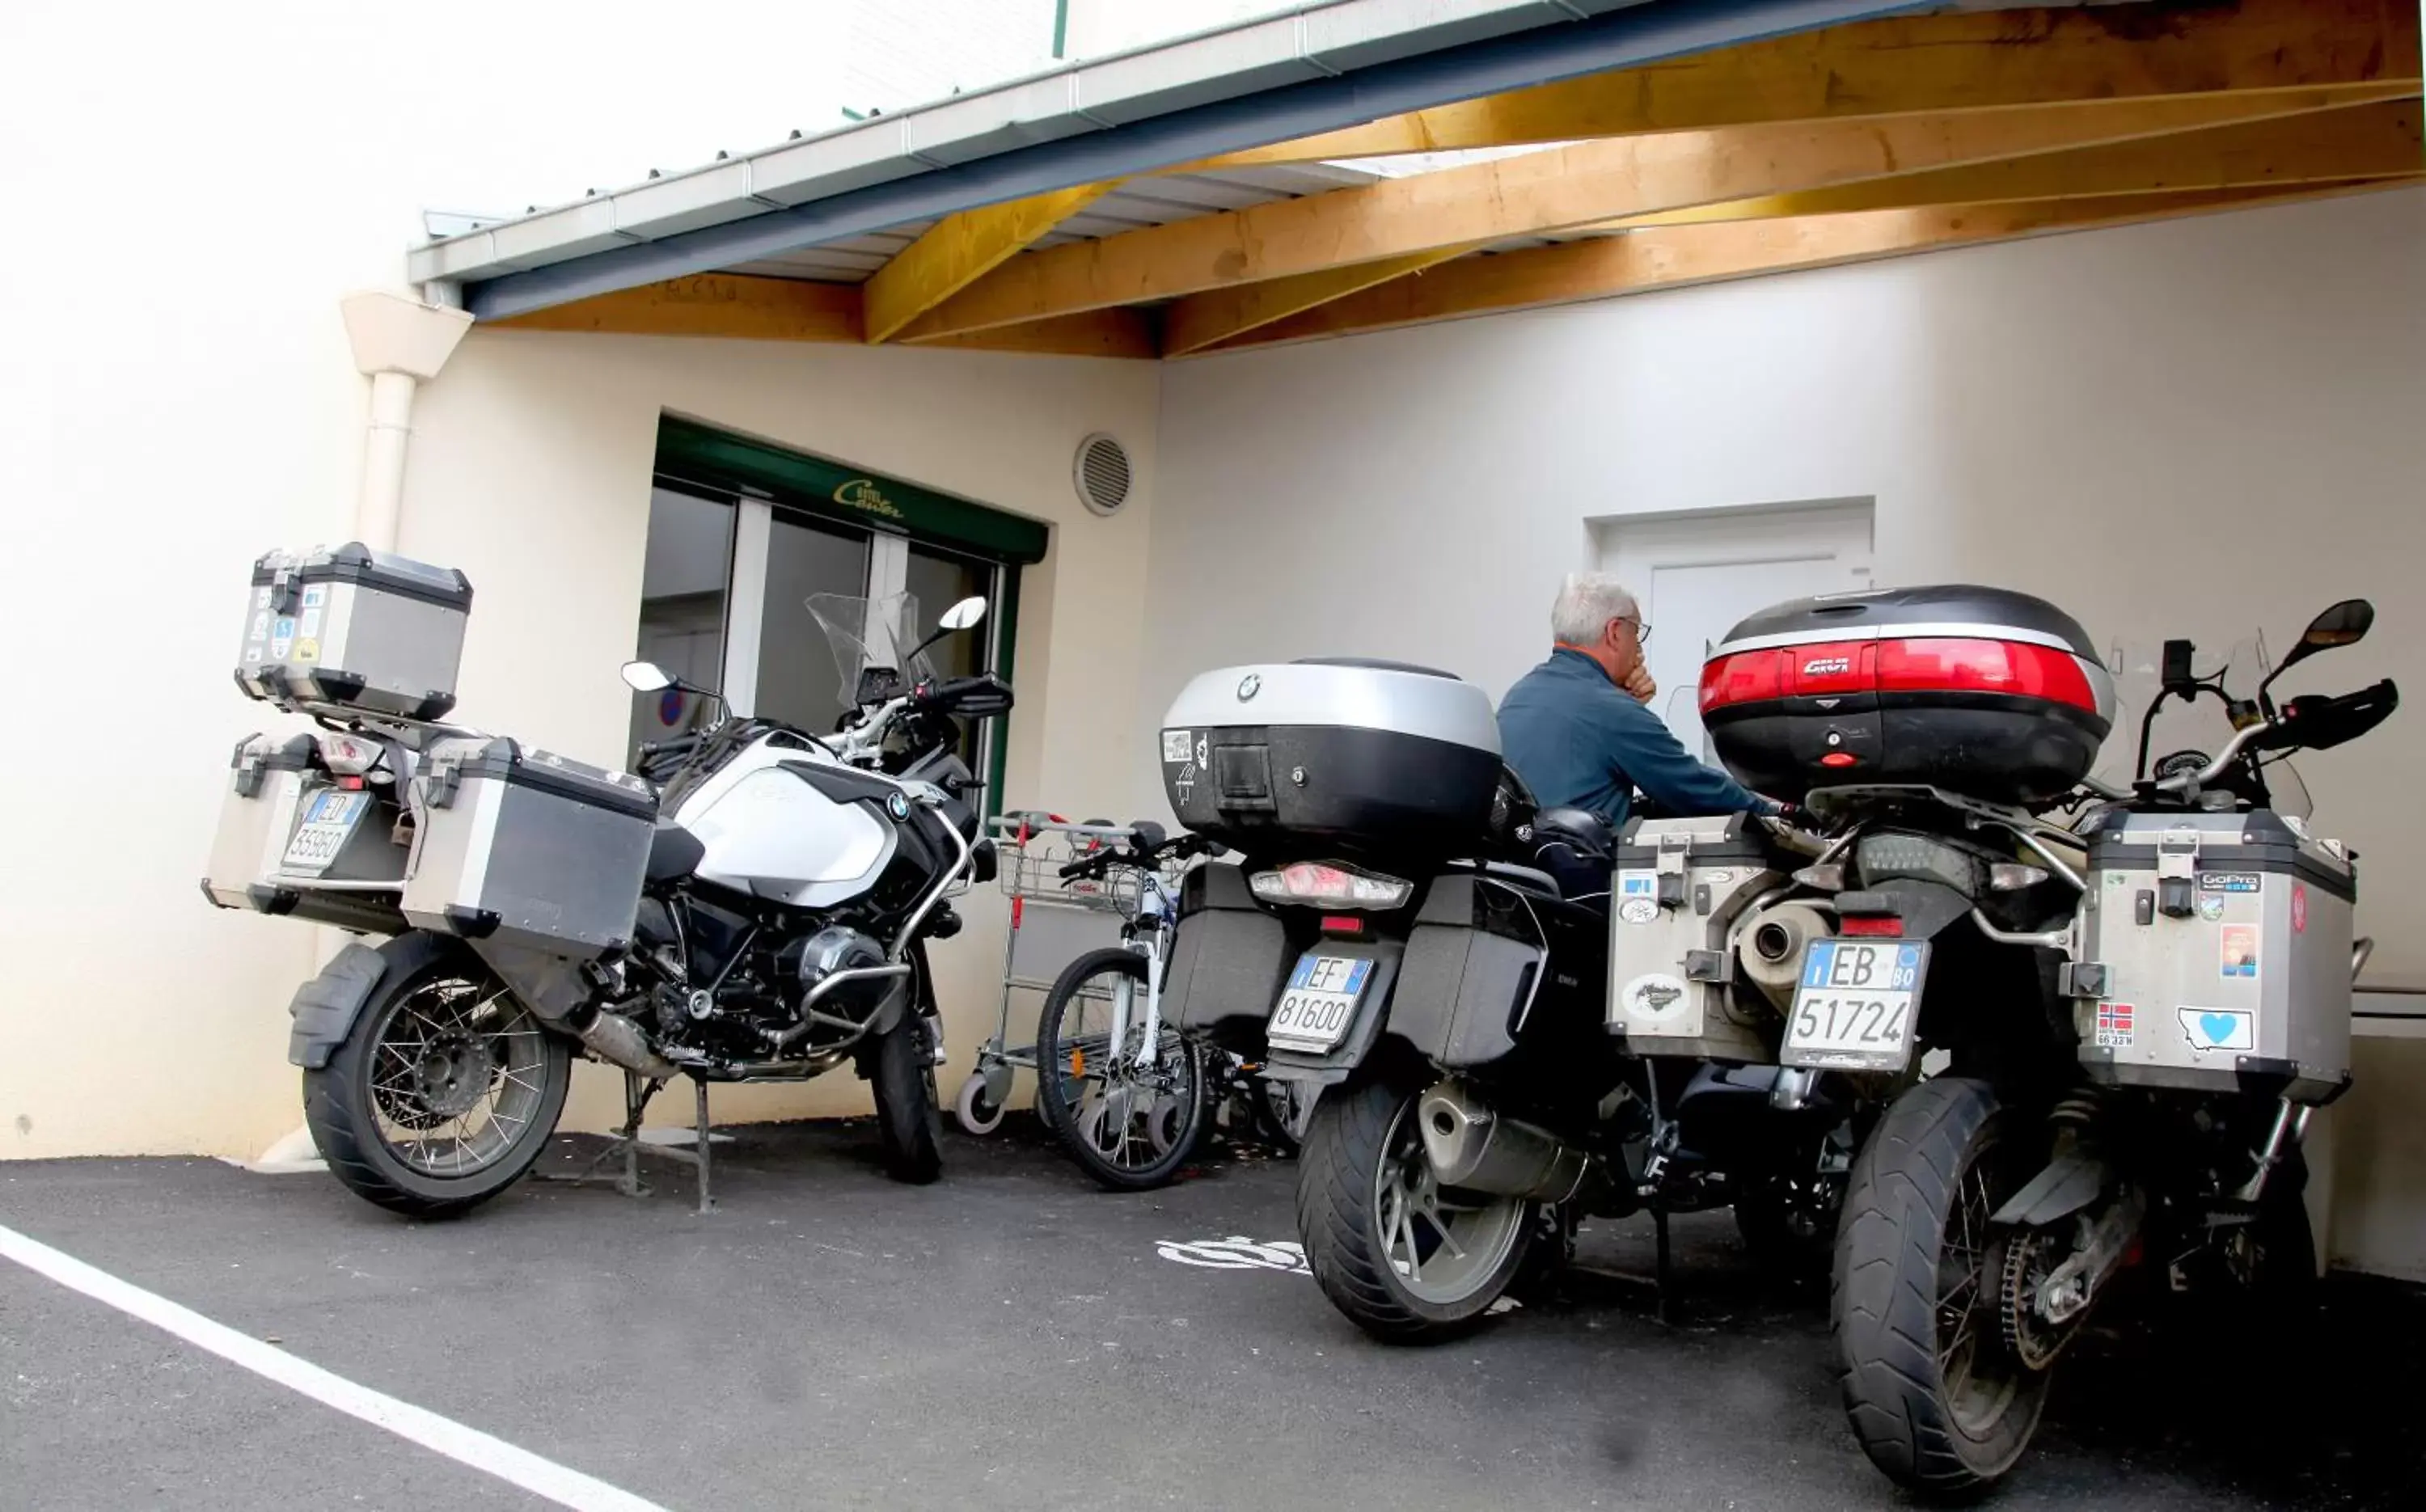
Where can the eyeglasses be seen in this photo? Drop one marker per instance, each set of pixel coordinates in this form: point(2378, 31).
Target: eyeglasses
point(1641, 629)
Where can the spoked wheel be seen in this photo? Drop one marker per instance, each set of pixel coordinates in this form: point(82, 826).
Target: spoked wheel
point(1406, 1258)
point(1129, 1125)
point(1941, 1394)
point(446, 1090)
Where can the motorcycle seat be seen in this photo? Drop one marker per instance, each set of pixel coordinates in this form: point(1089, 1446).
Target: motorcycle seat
point(1581, 831)
point(1576, 848)
point(674, 852)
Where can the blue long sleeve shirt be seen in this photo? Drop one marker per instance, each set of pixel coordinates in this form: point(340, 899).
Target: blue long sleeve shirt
point(1581, 742)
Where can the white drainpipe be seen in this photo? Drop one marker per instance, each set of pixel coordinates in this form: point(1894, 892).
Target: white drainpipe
point(399, 344)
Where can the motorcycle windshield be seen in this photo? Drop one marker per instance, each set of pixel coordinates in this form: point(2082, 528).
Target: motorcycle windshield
point(872, 634)
point(2187, 733)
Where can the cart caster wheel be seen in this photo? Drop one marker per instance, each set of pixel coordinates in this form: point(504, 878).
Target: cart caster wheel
point(972, 1108)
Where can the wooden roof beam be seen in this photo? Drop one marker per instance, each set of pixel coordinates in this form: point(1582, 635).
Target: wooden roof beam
point(736, 307)
point(710, 304)
point(1918, 64)
point(961, 248)
point(1667, 257)
point(1552, 190)
point(2354, 142)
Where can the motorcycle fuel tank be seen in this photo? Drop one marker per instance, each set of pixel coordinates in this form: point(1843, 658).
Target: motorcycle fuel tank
point(1983, 691)
point(767, 828)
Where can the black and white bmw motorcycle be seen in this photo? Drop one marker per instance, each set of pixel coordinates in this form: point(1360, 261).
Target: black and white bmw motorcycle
point(755, 906)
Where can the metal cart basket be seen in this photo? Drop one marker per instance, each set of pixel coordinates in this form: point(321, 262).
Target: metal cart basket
point(1053, 921)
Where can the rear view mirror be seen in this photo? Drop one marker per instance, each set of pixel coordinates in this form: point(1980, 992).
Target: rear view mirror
point(963, 614)
point(646, 677)
point(2345, 624)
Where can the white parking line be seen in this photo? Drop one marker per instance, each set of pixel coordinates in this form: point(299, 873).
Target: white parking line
point(470, 1446)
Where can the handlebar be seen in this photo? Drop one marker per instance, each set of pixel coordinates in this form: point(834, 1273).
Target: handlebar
point(2310, 722)
point(1149, 847)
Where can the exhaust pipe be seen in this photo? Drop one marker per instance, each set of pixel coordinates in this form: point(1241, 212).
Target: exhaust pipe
point(1770, 948)
point(1473, 1147)
point(612, 1037)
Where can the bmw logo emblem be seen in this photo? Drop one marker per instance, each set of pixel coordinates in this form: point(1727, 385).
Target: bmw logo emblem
point(898, 806)
point(1249, 686)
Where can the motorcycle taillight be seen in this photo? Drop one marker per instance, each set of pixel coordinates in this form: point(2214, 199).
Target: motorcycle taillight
point(1331, 885)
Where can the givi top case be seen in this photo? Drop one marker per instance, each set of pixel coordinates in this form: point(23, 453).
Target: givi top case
point(1983, 691)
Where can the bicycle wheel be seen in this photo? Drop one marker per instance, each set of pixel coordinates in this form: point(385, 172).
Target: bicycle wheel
point(1129, 1125)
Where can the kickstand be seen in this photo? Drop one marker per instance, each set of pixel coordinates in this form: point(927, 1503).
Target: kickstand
point(626, 1143)
point(1665, 1277)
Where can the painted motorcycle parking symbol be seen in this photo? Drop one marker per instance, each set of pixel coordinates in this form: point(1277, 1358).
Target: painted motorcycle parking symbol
point(1238, 1252)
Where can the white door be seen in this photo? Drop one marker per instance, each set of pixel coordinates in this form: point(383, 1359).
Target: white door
point(1696, 576)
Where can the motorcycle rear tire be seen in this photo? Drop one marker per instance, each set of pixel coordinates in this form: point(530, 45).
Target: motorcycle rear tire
point(339, 1104)
point(1937, 1161)
point(1354, 1143)
point(908, 1118)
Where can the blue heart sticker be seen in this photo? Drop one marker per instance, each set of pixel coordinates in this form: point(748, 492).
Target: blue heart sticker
point(2218, 1027)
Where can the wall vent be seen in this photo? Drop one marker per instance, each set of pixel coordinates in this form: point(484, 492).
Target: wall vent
point(1102, 473)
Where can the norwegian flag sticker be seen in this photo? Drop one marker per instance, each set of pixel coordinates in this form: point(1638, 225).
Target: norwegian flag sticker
point(2114, 1025)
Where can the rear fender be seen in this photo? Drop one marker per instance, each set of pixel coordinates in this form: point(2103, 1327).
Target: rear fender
point(2070, 1183)
point(325, 1008)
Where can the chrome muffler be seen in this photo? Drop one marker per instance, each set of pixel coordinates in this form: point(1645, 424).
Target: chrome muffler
point(1472, 1148)
point(614, 1039)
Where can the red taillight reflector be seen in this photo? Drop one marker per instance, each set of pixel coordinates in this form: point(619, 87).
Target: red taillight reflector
point(1969, 665)
point(1342, 924)
point(350, 784)
point(1927, 664)
point(1872, 924)
point(1746, 676)
point(1839, 758)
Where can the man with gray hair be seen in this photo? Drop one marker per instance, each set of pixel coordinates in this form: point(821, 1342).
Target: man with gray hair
point(1577, 728)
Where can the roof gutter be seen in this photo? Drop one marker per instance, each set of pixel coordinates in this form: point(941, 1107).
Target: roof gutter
point(606, 257)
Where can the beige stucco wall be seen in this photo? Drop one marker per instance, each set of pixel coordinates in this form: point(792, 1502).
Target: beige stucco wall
point(531, 473)
point(200, 186)
point(142, 1021)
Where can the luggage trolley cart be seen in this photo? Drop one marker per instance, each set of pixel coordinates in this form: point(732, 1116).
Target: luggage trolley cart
point(1053, 921)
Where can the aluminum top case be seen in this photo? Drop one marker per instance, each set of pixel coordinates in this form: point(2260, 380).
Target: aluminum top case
point(1371, 757)
point(524, 848)
point(2216, 954)
point(1983, 691)
point(355, 627)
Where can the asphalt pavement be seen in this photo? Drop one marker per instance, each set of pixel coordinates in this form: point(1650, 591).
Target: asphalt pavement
point(1013, 1338)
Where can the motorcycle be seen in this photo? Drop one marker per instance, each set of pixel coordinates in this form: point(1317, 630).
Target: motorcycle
point(1412, 941)
point(770, 924)
point(2104, 1014)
